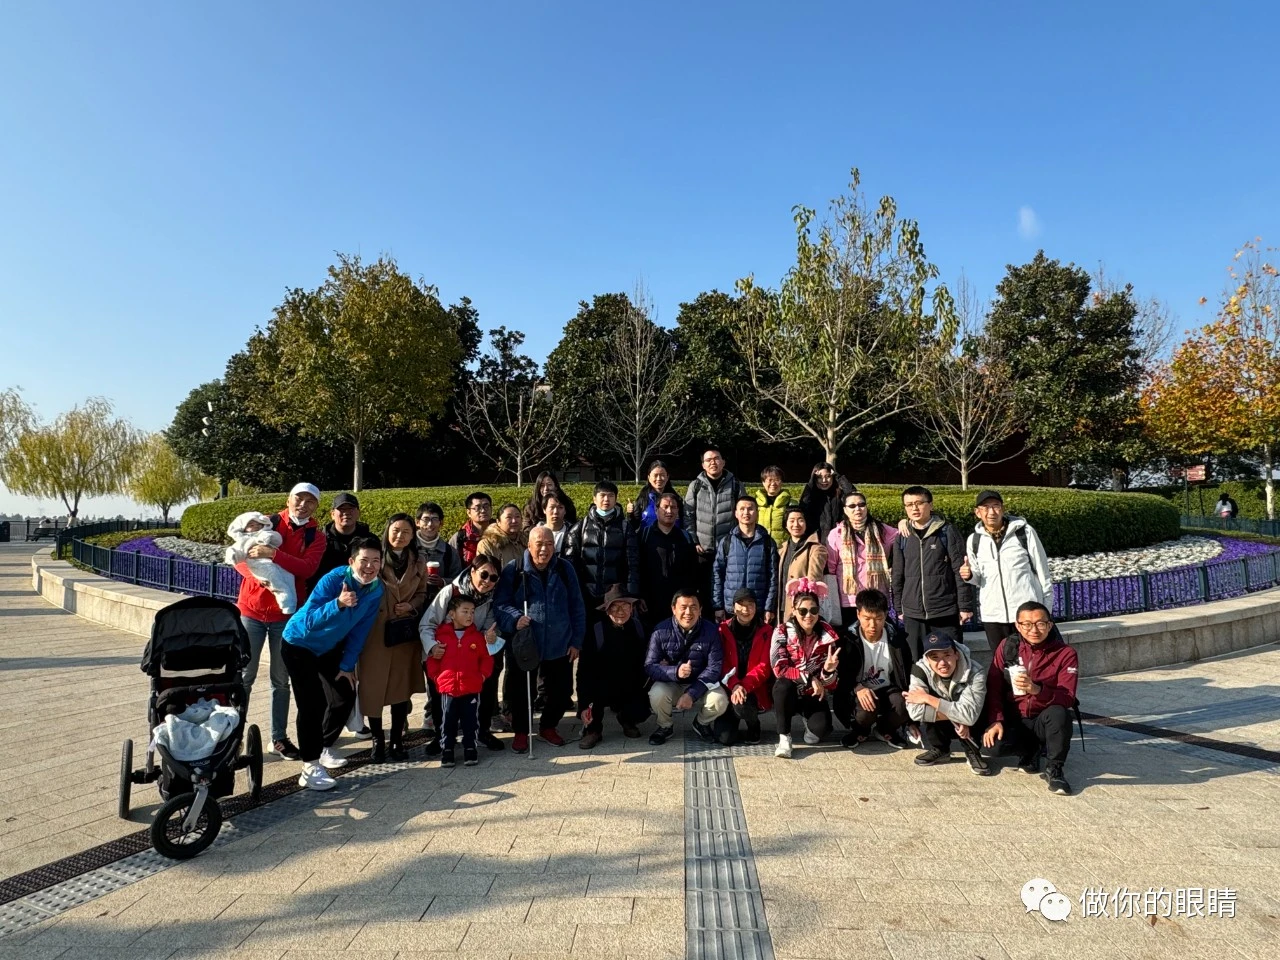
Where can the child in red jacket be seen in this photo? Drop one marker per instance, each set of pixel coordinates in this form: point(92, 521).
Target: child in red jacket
point(459, 664)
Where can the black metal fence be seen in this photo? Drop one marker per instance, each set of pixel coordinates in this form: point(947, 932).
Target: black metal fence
point(1265, 528)
point(31, 529)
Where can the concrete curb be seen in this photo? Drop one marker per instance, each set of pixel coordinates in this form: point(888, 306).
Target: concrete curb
point(1106, 645)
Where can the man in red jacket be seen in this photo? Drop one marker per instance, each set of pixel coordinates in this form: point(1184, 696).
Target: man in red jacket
point(1030, 695)
point(301, 547)
point(748, 676)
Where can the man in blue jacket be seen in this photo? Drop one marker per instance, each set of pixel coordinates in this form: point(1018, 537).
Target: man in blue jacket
point(746, 558)
point(549, 587)
point(322, 643)
point(686, 661)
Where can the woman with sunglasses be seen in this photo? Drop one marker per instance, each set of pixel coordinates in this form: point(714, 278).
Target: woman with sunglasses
point(476, 582)
point(805, 659)
point(858, 554)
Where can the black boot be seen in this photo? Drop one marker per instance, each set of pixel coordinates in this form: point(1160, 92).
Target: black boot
point(379, 750)
point(399, 721)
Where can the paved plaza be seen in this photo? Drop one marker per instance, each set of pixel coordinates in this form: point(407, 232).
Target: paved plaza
point(634, 851)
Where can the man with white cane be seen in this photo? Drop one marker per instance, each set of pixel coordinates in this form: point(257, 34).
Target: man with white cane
point(538, 603)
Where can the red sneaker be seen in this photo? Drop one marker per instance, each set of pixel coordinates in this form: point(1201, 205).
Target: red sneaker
point(552, 736)
point(520, 743)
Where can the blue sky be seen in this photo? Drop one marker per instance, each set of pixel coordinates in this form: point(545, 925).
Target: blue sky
point(168, 170)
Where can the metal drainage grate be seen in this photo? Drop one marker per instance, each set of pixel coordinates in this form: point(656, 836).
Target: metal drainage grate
point(724, 906)
point(41, 894)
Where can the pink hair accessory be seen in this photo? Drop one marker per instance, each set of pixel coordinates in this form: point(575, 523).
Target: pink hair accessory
point(805, 585)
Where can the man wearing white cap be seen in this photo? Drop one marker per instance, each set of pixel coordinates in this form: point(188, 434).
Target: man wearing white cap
point(302, 544)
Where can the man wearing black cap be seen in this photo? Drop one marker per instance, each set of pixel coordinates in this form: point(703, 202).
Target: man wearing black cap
point(343, 527)
point(1007, 563)
point(947, 697)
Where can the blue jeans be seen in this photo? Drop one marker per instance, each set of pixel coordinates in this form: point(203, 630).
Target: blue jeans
point(259, 634)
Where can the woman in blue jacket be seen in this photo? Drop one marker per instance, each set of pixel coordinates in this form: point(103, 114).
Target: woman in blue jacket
point(322, 643)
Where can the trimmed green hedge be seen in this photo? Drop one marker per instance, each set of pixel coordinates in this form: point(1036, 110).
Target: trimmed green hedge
point(1070, 522)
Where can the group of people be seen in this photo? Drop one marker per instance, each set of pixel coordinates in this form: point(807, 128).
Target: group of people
point(726, 603)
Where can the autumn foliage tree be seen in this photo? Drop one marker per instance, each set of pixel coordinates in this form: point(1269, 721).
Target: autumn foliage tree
point(1221, 391)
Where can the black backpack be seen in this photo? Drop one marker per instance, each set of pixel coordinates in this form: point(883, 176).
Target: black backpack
point(1009, 646)
point(1020, 533)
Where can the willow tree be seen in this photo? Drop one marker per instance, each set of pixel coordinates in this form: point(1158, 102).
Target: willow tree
point(160, 478)
point(840, 346)
point(367, 351)
point(85, 452)
point(15, 419)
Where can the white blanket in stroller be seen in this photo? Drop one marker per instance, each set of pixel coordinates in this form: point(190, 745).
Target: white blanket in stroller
point(197, 731)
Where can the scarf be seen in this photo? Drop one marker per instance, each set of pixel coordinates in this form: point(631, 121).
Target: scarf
point(877, 577)
point(398, 562)
point(742, 637)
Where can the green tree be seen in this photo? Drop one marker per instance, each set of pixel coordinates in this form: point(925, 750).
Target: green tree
point(15, 419)
point(1075, 360)
point(368, 351)
point(85, 452)
point(160, 478)
point(707, 364)
point(840, 346)
point(509, 415)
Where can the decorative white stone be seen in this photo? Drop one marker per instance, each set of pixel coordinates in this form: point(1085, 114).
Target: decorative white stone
point(1169, 555)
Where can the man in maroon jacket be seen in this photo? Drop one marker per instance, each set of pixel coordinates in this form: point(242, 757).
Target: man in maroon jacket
point(1030, 695)
point(301, 547)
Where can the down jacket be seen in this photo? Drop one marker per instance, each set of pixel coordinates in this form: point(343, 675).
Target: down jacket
point(604, 551)
point(1007, 574)
point(559, 618)
point(301, 549)
point(926, 572)
point(745, 562)
point(759, 676)
point(772, 515)
point(669, 647)
point(709, 509)
point(962, 700)
point(438, 610)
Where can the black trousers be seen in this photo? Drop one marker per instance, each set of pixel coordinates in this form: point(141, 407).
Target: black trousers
point(557, 677)
point(462, 710)
point(941, 733)
point(726, 725)
point(996, 632)
point(890, 712)
point(324, 701)
point(487, 698)
point(917, 630)
point(1051, 728)
point(788, 701)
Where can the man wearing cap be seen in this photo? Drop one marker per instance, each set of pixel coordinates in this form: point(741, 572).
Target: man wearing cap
point(1006, 561)
point(611, 669)
point(302, 545)
point(344, 526)
point(947, 697)
point(747, 673)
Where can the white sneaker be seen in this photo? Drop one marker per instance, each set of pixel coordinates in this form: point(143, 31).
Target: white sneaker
point(330, 760)
point(809, 736)
point(784, 747)
point(315, 777)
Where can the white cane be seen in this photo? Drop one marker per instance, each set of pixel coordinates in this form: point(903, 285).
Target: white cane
point(528, 681)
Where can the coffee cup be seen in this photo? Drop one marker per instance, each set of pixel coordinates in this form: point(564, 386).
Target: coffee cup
point(433, 568)
point(1015, 671)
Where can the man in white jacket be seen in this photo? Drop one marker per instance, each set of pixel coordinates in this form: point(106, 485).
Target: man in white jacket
point(1005, 560)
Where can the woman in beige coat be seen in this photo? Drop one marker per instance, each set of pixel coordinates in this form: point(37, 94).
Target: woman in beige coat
point(390, 675)
point(799, 555)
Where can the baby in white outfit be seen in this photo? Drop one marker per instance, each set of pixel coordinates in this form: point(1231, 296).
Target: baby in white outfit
point(252, 530)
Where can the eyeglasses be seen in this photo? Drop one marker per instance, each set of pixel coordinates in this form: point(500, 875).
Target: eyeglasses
point(1035, 624)
point(806, 611)
point(990, 506)
point(713, 459)
point(485, 576)
point(914, 503)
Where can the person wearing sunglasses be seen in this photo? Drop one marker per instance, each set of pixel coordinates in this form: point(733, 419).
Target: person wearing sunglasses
point(477, 582)
point(805, 658)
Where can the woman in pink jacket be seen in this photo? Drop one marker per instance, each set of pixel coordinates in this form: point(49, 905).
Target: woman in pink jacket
point(858, 553)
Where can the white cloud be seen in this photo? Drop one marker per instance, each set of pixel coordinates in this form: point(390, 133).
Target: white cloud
point(1028, 223)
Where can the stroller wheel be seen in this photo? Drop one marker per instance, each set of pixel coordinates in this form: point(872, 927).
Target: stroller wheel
point(170, 835)
point(126, 779)
point(253, 758)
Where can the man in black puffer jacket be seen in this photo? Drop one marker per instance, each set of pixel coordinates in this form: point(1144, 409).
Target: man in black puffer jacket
point(928, 591)
point(603, 549)
point(709, 505)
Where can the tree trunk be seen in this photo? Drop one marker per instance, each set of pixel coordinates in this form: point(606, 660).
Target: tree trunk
point(637, 452)
point(357, 466)
point(964, 473)
point(519, 469)
point(164, 515)
point(1269, 464)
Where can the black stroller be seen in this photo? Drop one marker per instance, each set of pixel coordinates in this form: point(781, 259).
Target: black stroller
point(198, 649)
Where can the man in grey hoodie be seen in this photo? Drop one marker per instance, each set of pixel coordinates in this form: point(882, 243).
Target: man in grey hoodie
point(946, 697)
